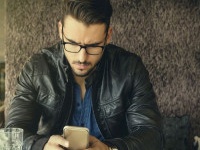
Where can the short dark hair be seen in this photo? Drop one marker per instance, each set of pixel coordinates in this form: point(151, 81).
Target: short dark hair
point(88, 11)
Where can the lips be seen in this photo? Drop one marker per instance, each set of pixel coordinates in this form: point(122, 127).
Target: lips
point(82, 66)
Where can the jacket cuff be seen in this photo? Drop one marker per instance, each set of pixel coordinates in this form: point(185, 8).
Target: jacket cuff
point(117, 142)
point(39, 143)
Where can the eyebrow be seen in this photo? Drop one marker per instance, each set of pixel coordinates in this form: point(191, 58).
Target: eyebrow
point(74, 42)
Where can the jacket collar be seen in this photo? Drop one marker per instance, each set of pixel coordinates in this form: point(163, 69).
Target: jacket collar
point(96, 75)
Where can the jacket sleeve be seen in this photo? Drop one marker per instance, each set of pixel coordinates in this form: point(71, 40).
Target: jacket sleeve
point(142, 116)
point(24, 112)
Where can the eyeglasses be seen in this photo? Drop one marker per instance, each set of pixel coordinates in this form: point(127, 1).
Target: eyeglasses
point(92, 49)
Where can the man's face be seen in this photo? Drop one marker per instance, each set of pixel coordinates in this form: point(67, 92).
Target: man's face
point(77, 32)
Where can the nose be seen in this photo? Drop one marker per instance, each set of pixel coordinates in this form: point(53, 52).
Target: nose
point(82, 55)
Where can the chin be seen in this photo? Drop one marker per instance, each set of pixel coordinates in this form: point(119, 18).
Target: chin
point(80, 73)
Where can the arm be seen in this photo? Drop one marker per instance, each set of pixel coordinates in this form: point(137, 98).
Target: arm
point(26, 109)
point(142, 115)
point(24, 112)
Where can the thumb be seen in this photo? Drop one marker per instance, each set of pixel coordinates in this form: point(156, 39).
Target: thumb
point(92, 139)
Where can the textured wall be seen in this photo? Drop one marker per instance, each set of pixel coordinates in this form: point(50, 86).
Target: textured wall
point(2, 29)
point(31, 25)
point(165, 33)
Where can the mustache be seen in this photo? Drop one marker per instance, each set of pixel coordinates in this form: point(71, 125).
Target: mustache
point(81, 63)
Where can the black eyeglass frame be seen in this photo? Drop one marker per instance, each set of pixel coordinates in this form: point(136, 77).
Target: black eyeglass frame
point(82, 46)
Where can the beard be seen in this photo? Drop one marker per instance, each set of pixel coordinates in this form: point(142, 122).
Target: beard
point(85, 74)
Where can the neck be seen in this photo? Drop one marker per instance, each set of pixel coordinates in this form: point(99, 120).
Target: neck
point(81, 82)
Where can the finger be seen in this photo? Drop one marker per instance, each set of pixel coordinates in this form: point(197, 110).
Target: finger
point(53, 147)
point(92, 139)
point(59, 140)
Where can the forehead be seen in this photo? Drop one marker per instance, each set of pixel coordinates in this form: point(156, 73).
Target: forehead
point(79, 31)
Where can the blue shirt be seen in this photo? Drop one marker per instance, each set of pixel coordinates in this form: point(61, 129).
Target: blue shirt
point(82, 114)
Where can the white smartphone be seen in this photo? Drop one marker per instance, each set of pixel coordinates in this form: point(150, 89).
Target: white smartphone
point(78, 137)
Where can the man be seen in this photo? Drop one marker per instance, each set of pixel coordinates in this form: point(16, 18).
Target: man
point(85, 81)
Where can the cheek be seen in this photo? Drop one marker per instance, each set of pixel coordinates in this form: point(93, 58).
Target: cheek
point(69, 57)
point(95, 59)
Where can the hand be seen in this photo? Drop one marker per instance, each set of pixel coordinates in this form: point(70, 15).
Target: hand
point(95, 144)
point(56, 142)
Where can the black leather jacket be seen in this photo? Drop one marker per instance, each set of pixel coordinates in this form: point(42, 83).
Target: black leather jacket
point(123, 100)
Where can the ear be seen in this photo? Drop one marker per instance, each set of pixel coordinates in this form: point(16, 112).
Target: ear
point(109, 35)
point(60, 29)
